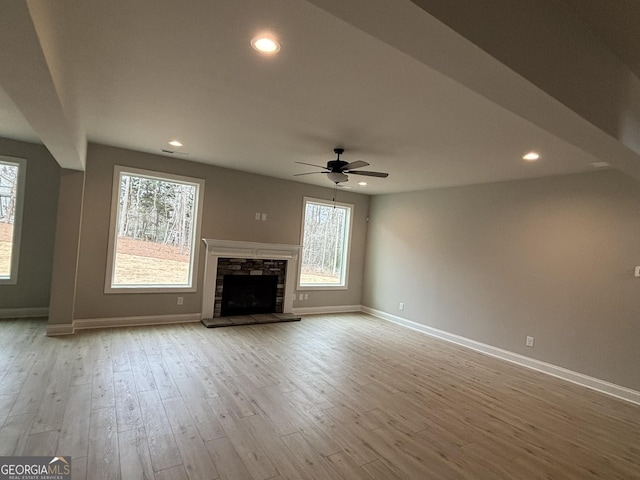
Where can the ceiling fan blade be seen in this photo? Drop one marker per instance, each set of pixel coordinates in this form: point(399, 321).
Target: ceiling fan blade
point(356, 164)
point(370, 174)
point(312, 165)
point(308, 173)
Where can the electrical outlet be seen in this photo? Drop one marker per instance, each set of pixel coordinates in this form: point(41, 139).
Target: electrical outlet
point(306, 296)
point(301, 296)
point(180, 300)
point(401, 306)
point(530, 341)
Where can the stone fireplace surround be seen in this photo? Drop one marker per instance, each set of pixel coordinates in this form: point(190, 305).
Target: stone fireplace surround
point(251, 267)
point(247, 250)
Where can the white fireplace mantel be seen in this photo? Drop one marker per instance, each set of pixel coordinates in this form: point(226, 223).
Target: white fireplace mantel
point(236, 249)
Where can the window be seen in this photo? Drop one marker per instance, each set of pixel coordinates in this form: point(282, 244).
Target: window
point(325, 244)
point(155, 227)
point(12, 182)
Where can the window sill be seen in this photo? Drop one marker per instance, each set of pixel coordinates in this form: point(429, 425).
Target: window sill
point(322, 287)
point(149, 289)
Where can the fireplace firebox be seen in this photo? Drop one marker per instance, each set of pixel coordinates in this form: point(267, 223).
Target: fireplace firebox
point(249, 294)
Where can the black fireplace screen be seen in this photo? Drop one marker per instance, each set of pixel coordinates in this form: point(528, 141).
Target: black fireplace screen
point(249, 294)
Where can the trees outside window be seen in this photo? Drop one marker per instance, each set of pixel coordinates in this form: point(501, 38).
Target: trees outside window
point(154, 231)
point(325, 244)
point(12, 182)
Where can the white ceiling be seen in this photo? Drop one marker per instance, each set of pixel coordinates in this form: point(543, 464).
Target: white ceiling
point(136, 74)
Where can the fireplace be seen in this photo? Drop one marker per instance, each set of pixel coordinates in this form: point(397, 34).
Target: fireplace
point(227, 257)
point(248, 294)
point(255, 281)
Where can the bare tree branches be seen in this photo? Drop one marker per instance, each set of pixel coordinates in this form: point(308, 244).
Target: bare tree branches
point(155, 210)
point(324, 239)
point(8, 192)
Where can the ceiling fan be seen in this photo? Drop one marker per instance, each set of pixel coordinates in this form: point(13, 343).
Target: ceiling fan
point(337, 169)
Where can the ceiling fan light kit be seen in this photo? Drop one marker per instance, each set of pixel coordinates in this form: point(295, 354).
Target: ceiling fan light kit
point(337, 177)
point(337, 170)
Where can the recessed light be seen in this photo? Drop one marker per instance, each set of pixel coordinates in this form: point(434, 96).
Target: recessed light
point(531, 156)
point(175, 143)
point(362, 184)
point(265, 44)
point(599, 164)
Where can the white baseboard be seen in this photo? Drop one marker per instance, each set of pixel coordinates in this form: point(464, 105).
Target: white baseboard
point(60, 329)
point(24, 312)
point(88, 323)
point(327, 309)
point(563, 373)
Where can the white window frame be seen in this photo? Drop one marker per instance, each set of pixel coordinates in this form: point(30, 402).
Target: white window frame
point(21, 163)
point(118, 171)
point(347, 252)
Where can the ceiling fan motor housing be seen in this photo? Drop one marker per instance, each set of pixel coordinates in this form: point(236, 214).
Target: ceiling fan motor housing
point(336, 165)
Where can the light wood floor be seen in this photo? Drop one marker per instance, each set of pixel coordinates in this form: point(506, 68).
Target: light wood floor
point(330, 397)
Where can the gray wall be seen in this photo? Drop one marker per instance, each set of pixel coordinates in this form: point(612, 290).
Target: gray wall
point(231, 200)
point(552, 258)
point(38, 227)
